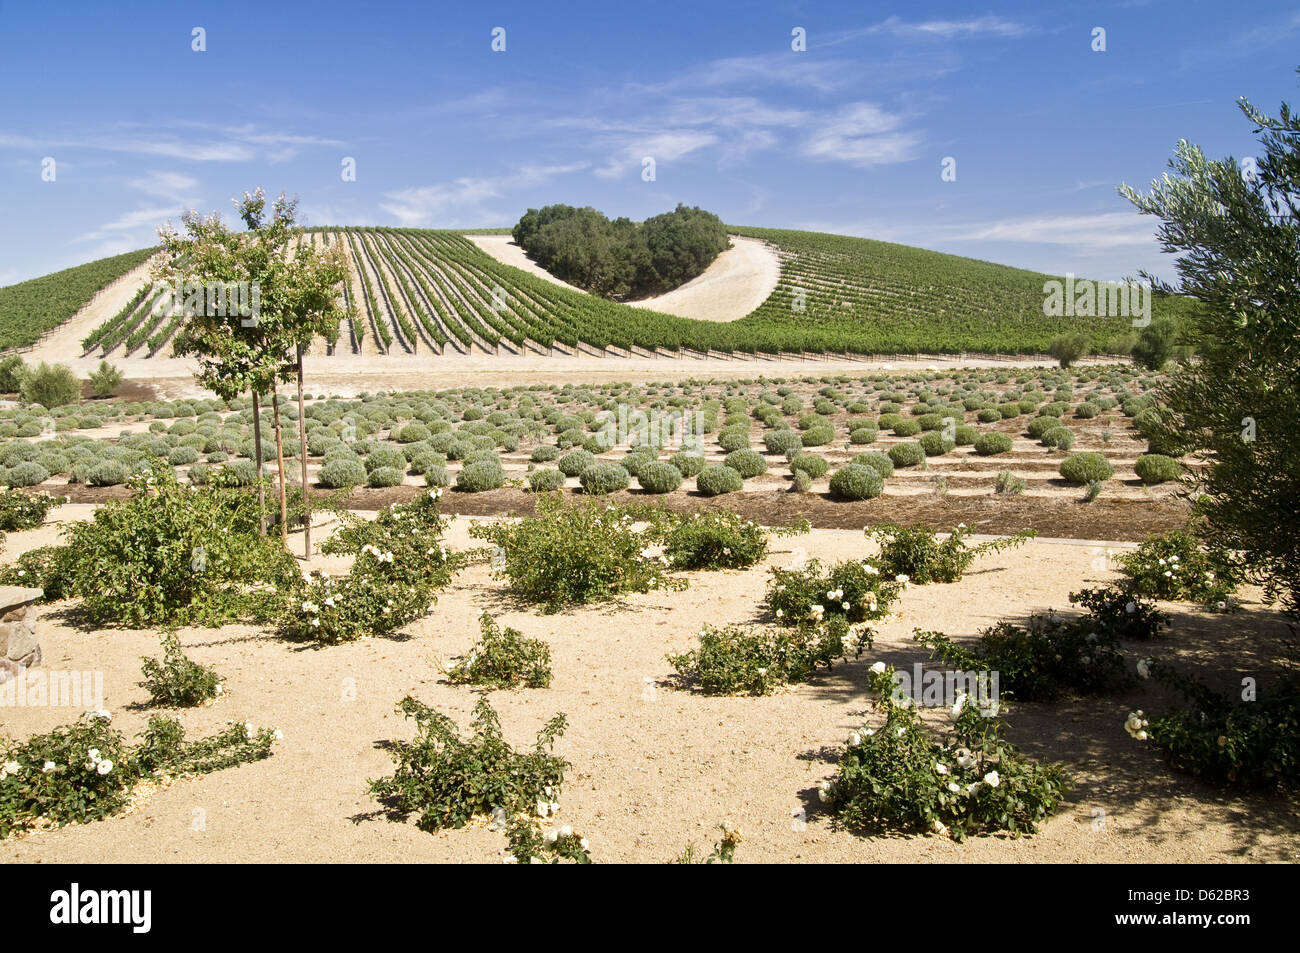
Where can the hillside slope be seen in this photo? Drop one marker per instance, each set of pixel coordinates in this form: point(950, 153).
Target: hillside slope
point(30, 308)
point(433, 292)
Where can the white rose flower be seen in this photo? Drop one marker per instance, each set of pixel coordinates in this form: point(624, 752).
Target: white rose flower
point(543, 808)
point(992, 779)
point(48, 767)
point(955, 712)
point(940, 768)
point(855, 739)
point(104, 767)
point(1144, 668)
point(877, 667)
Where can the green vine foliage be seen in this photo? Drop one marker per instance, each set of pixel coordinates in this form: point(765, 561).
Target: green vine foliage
point(445, 779)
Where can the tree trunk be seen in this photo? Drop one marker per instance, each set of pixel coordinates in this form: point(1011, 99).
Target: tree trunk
point(279, 455)
point(302, 452)
point(257, 452)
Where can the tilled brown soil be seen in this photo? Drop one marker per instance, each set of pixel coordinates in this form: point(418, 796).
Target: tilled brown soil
point(1101, 519)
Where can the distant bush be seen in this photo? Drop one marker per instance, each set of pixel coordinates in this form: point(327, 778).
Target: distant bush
point(715, 480)
point(107, 473)
point(385, 456)
point(384, 477)
point(782, 441)
point(906, 454)
point(991, 444)
point(28, 473)
point(746, 462)
point(543, 481)
point(877, 461)
point(1040, 425)
point(544, 453)
point(1068, 348)
point(810, 464)
point(50, 385)
point(1155, 468)
point(1156, 344)
point(602, 478)
point(935, 444)
point(12, 369)
point(659, 477)
point(818, 436)
point(733, 438)
point(856, 482)
point(689, 463)
point(1008, 483)
point(104, 380)
point(412, 433)
point(575, 461)
point(342, 474)
point(1058, 438)
point(480, 476)
point(1086, 468)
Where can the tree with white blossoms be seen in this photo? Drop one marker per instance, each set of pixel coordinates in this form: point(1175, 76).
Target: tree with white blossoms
point(1236, 228)
point(297, 302)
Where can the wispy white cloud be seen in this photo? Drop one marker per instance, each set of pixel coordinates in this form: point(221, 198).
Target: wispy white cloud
point(191, 141)
point(173, 186)
point(129, 223)
point(861, 134)
point(1101, 230)
point(463, 199)
point(971, 27)
point(661, 147)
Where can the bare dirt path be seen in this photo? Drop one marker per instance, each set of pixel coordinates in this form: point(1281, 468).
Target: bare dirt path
point(737, 282)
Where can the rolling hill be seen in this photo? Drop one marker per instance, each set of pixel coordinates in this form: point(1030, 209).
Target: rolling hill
point(435, 292)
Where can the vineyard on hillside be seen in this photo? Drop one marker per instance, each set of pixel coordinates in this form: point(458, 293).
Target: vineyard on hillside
point(30, 308)
point(423, 291)
point(864, 295)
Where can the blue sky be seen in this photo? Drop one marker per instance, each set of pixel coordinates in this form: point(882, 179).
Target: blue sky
point(847, 136)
